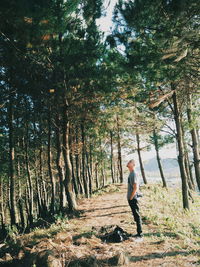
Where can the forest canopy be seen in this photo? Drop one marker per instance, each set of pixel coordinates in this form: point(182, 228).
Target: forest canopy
point(72, 100)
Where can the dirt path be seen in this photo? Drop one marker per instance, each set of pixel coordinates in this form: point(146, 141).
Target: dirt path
point(74, 243)
point(112, 209)
point(107, 209)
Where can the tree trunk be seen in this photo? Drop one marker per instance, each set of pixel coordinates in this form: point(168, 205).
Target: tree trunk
point(89, 173)
point(155, 138)
point(119, 153)
point(181, 156)
point(20, 199)
point(1, 203)
point(140, 158)
point(39, 202)
point(75, 185)
point(96, 175)
point(29, 187)
point(188, 170)
point(58, 161)
point(29, 180)
point(21, 212)
point(198, 135)
point(81, 190)
point(195, 143)
point(116, 172)
point(11, 161)
point(37, 173)
point(26, 202)
point(91, 161)
point(77, 163)
point(111, 157)
point(68, 166)
point(51, 176)
point(102, 175)
point(43, 192)
point(85, 182)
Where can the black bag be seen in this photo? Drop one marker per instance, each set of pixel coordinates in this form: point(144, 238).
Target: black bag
point(116, 236)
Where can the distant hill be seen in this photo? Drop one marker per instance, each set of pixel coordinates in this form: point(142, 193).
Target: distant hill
point(169, 164)
point(170, 169)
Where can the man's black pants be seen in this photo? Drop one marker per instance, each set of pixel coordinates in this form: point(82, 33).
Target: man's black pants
point(136, 214)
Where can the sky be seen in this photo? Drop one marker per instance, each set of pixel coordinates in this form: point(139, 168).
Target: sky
point(166, 152)
point(105, 23)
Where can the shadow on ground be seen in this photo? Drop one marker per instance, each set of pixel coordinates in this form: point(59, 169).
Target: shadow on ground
point(159, 234)
point(162, 255)
point(104, 215)
point(107, 208)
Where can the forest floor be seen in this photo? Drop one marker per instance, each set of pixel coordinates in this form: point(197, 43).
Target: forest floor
point(171, 235)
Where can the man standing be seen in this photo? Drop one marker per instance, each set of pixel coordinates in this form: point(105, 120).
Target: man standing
point(132, 196)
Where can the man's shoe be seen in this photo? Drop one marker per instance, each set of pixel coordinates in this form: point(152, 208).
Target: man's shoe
point(138, 235)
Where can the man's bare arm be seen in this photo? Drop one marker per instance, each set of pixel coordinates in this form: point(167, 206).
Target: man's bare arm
point(134, 191)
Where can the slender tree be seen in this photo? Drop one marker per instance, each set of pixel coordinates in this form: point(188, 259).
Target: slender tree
point(195, 142)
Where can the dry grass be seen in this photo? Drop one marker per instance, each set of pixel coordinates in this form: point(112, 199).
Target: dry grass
point(163, 208)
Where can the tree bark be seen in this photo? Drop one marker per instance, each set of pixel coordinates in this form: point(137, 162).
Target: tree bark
point(140, 158)
point(75, 185)
point(58, 161)
point(195, 143)
point(102, 175)
point(1, 203)
point(39, 202)
point(155, 138)
point(116, 175)
point(27, 164)
point(80, 184)
point(77, 163)
point(21, 212)
point(68, 166)
point(85, 182)
point(89, 173)
point(181, 156)
point(37, 174)
point(96, 175)
point(119, 152)
point(49, 155)
point(29, 181)
point(188, 169)
point(43, 193)
point(91, 161)
point(11, 161)
point(190, 183)
point(111, 157)
point(20, 199)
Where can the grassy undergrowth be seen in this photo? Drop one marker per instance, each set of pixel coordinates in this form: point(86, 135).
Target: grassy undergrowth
point(63, 223)
point(159, 206)
point(165, 222)
point(110, 188)
point(163, 208)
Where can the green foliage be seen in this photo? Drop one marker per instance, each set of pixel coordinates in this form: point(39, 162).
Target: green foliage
point(160, 43)
point(162, 139)
point(106, 189)
point(56, 68)
point(12, 234)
